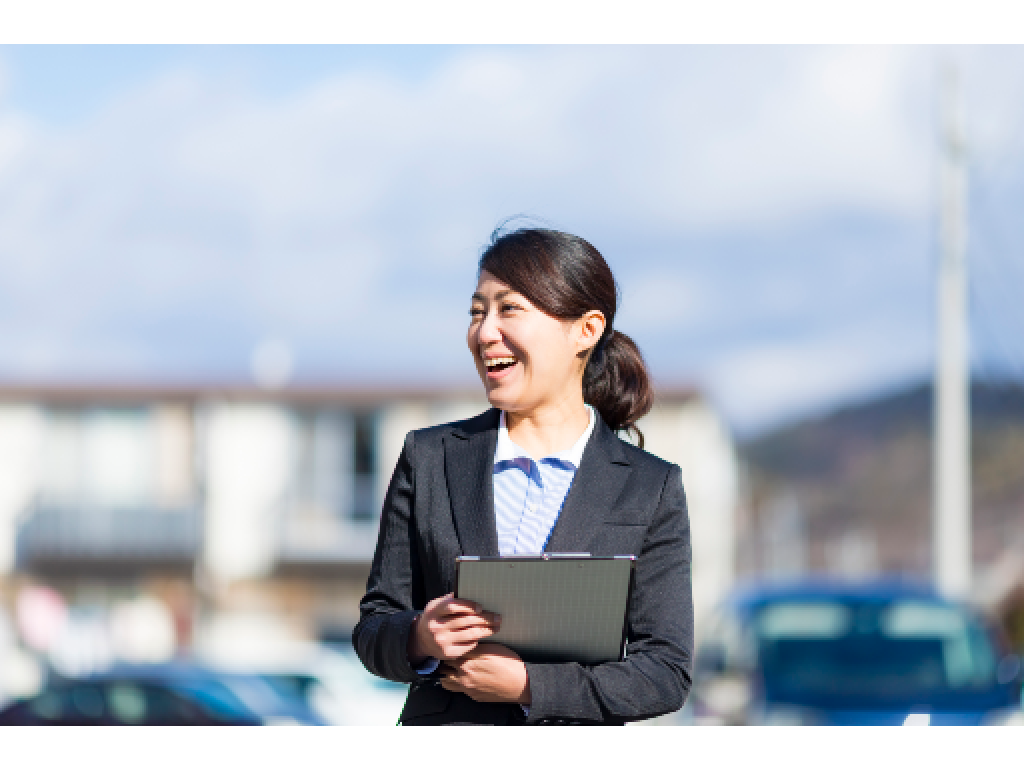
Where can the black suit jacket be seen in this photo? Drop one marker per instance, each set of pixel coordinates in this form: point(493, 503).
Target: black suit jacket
point(622, 501)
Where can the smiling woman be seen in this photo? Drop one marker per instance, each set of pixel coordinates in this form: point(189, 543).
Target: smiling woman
point(542, 471)
point(535, 294)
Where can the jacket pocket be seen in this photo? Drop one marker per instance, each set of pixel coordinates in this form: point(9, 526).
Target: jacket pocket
point(625, 517)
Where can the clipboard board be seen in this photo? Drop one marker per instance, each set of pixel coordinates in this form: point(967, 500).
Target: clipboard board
point(554, 607)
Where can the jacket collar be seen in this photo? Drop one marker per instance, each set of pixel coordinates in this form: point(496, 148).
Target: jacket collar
point(595, 489)
point(469, 467)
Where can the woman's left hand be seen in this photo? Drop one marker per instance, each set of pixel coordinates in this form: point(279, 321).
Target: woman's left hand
point(490, 672)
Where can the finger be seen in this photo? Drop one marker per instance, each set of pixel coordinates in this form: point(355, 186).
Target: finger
point(468, 638)
point(455, 607)
point(435, 605)
point(451, 685)
point(469, 635)
point(459, 623)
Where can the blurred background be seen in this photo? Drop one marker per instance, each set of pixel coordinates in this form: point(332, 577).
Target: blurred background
point(232, 278)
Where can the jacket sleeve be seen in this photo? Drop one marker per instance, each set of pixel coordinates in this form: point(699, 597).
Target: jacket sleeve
point(655, 676)
point(387, 609)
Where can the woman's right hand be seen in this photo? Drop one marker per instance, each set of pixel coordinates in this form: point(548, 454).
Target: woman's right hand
point(449, 628)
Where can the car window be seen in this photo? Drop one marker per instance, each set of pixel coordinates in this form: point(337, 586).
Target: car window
point(216, 701)
point(726, 638)
point(967, 655)
point(82, 704)
point(127, 703)
point(50, 705)
point(87, 701)
point(811, 619)
point(255, 693)
point(132, 702)
point(293, 686)
point(872, 651)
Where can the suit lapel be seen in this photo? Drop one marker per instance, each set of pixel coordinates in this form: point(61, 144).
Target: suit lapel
point(599, 480)
point(469, 468)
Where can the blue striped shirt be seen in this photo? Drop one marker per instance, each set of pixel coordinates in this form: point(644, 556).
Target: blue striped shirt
point(529, 493)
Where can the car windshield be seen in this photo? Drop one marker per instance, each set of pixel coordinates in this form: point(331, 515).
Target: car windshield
point(872, 653)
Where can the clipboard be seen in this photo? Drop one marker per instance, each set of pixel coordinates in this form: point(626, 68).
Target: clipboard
point(554, 607)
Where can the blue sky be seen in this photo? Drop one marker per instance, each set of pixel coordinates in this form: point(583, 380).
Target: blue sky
point(769, 212)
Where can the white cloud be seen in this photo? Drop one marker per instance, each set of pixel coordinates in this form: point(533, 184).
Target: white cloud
point(764, 384)
point(187, 217)
point(659, 298)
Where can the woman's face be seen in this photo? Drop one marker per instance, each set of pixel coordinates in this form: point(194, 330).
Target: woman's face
point(526, 358)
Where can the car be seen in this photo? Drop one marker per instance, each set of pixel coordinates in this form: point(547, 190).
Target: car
point(821, 652)
point(330, 681)
point(179, 693)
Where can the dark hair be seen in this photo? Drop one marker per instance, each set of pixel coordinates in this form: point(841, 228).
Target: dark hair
point(566, 277)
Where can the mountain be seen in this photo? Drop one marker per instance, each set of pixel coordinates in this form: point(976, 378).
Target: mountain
point(851, 491)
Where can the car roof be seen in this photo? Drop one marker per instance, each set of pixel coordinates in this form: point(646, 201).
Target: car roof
point(753, 596)
point(168, 672)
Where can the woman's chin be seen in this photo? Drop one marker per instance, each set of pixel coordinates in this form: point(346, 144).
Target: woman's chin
point(502, 403)
point(503, 397)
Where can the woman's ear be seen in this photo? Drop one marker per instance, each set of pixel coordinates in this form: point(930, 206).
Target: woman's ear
point(588, 330)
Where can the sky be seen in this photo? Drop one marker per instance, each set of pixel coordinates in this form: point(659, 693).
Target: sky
point(191, 213)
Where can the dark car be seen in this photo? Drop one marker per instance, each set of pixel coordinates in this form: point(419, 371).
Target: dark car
point(159, 694)
point(833, 653)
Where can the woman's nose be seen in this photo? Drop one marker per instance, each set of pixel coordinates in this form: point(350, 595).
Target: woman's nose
point(489, 332)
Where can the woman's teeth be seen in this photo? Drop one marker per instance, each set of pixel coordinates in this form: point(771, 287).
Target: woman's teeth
point(499, 363)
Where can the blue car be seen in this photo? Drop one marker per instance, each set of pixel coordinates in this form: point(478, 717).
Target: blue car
point(837, 654)
point(179, 693)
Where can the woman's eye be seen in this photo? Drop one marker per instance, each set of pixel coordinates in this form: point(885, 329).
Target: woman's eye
point(509, 307)
point(475, 312)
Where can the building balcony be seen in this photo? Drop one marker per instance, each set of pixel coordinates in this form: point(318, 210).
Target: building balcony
point(96, 539)
point(328, 540)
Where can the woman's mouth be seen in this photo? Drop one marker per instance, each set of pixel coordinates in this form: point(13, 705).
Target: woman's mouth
point(498, 365)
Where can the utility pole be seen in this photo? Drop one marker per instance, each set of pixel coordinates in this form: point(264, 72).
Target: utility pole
point(951, 497)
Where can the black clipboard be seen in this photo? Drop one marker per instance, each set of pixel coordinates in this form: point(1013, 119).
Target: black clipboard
point(554, 607)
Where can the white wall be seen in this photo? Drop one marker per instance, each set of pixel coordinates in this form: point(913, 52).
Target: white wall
point(692, 435)
point(250, 452)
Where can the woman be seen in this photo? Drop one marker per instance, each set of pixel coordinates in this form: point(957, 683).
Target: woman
point(543, 470)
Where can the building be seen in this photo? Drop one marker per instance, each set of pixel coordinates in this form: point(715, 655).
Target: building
point(249, 513)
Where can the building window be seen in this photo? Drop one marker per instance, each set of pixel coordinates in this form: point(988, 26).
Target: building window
point(364, 462)
point(100, 457)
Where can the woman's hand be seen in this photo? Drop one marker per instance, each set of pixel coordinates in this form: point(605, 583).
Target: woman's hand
point(489, 672)
point(448, 629)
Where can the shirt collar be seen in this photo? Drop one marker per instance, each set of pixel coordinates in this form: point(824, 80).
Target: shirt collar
point(507, 450)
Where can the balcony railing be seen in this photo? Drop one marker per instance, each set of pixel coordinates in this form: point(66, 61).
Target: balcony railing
point(326, 541)
point(53, 536)
point(64, 534)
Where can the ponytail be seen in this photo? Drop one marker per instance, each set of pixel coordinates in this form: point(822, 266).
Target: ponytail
point(566, 277)
point(617, 384)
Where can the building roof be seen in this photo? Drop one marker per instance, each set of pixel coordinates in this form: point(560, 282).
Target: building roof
point(349, 393)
